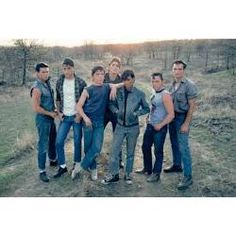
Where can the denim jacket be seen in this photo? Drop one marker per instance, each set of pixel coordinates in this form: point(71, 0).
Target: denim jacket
point(80, 84)
point(135, 107)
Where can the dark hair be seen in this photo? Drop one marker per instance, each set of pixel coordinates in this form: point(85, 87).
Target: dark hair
point(41, 65)
point(126, 74)
point(96, 68)
point(177, 62)
point(68, 62)
point(115, 59)
point(157, 74)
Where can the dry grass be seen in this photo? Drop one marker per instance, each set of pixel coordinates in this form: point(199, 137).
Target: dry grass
point(212, 142)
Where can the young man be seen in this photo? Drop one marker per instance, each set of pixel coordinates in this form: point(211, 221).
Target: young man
point(69, 87)
point(43, 105)
point(184, 94)
point(129, 105)
point(162, 113)
point(92, 106)
point(113, 77)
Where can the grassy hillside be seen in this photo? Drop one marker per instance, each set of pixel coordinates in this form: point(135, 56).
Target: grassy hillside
point(17, 132)
point(212, 140)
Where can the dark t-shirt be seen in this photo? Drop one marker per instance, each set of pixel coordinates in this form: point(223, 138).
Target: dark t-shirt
point(117, 80)
point(95, 105)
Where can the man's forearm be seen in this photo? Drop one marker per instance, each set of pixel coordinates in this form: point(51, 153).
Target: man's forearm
point(189, 115)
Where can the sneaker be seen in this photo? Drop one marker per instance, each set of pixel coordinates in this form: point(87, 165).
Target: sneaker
point(111, 179)
point(153, 177)
point(142, 172)
point(60, 172)
point(43, 177)
point(53, 163)
point(122, 165)
point(75, 171)
point(185, 183)
point(128, 179)
point(173, 168)
point(94, 174)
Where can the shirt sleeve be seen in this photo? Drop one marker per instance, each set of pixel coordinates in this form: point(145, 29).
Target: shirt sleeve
point(192, 91)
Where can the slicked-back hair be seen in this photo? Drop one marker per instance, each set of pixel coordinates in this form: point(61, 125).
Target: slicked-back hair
point(157, 74)
point(126, 74)
point(178, 62)
point(41, 65)
point(97, 68)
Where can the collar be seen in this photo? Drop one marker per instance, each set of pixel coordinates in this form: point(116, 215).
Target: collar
point(159, 91)
point(42, 82)
point(129, 91)
point(184, 80)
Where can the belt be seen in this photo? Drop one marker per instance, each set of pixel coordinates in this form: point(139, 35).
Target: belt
point(128, 125)
point(180, 113)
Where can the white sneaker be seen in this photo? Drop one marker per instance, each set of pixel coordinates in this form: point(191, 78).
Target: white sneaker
point(128, 179)
point(75, 171)
point(94, 174)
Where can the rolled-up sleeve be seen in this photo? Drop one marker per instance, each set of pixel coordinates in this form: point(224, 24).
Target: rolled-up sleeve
point(192, 91)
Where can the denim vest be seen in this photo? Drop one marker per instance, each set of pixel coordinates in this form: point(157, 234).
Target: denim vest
point(46, 99)
point(158, 110)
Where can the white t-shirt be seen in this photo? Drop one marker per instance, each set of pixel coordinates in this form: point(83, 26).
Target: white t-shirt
point(69, 97)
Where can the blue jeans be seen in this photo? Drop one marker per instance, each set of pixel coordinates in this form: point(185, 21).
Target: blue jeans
point(110, 117)
point(46, 140)
point(62, 133)
point(158, 138)
point(131, 134)
point(93, 141)
point(180, 145)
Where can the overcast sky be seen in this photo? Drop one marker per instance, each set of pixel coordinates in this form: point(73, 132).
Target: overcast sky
point(71, 22)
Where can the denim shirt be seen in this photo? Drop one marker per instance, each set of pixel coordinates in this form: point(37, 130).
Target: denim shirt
point(80, 84)
point(136, 106)
point(186, 90)
point(46, 99)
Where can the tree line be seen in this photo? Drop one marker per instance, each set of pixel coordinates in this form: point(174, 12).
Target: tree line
point(209, 55)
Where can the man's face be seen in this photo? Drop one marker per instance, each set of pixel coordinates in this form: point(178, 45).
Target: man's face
point(114, 68)
point(178, 71)
point(68, 71)
point(98, 77)
point(157, 83)
point(129, 82)
point(43, 74)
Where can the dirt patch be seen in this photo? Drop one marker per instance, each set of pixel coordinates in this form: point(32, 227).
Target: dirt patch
point(213, 176)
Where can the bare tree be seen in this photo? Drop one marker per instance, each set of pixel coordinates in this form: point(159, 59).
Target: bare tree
point(230, 55)
point(206, 56)
point(28, 52)
point(151, 49)
point(92, 51)
point(128, 54)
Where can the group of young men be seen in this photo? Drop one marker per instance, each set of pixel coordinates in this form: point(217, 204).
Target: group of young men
point(112, 97)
